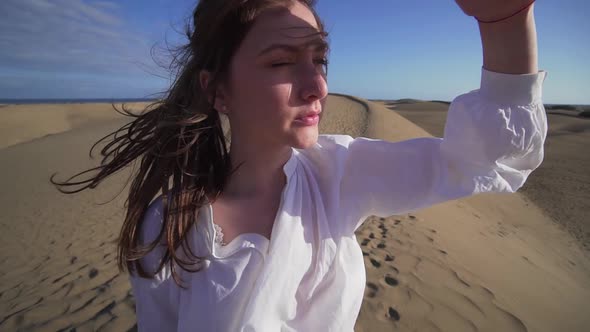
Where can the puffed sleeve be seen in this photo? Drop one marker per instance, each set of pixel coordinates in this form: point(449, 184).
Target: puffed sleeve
point(493, 140)
point(156, 300)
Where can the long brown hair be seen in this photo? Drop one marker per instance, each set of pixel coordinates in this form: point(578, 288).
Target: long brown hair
point(180, 137)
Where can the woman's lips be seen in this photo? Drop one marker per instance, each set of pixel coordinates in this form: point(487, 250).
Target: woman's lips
point(308, 120)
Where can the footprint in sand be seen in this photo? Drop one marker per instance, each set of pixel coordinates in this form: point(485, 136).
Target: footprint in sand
point(391, 281)
point(393, 314)
point(381, 245)
point(93, 273)
point(371, 289)
point(365, 242)
point(389, 258)
point(375, 263)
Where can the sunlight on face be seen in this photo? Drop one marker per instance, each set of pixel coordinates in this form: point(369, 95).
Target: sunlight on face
point(278, 74)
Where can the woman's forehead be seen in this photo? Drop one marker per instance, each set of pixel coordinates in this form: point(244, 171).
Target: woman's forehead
point(310, 39)
point(296, 15)
point(281, 25)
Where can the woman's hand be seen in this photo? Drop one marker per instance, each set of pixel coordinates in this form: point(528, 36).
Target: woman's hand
point(491, 10)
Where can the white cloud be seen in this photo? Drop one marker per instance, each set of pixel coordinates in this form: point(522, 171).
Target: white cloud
point(69, 36)
point(107, 5)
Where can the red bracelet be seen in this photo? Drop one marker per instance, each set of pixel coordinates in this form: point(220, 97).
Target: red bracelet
point(525, 7)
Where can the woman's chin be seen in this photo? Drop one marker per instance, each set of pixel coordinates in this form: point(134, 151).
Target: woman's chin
point(305, 139)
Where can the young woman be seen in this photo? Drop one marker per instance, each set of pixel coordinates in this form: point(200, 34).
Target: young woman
point(264, 233)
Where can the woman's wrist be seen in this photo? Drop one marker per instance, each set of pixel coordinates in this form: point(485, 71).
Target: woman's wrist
point(488, 21)
point(510, 45)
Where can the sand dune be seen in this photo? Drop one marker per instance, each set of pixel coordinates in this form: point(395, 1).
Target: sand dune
point(58, 252)
point(490, 262)
point(23, 123)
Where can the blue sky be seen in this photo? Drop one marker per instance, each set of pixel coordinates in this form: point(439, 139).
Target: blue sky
point(424, 49)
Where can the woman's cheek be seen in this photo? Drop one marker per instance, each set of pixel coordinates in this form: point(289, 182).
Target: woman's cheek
point(282, 93)
point(283, 101)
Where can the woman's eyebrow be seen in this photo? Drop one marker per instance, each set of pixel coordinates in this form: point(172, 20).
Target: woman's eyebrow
point(317, 44)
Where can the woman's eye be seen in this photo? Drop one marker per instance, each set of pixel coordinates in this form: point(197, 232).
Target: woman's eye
point(323, 61)
point(280, 64)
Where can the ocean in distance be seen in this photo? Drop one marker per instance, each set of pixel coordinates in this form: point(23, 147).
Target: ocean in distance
point(73, 101)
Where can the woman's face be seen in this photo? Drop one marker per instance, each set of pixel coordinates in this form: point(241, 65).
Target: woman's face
point(278, 75)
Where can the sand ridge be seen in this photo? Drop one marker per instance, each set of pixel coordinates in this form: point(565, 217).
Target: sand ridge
point(24, 123)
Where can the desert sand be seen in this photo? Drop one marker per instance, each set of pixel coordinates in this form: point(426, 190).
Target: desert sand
point(493, 262)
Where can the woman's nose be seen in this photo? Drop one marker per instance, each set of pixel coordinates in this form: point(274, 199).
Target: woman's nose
point(313, 82)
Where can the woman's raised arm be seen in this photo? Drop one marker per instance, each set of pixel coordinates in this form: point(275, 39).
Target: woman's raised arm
point(493, 137)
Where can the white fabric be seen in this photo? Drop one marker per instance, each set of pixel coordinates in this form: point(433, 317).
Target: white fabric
point(310, 276)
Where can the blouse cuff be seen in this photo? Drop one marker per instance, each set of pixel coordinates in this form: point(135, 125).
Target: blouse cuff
point(513, 89)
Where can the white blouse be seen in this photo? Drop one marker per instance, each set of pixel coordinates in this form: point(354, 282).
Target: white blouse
point(310, 276)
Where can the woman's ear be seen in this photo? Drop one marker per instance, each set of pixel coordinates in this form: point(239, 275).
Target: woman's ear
point(219, 103)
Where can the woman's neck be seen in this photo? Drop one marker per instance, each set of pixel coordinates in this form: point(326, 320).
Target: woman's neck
point(260, 176)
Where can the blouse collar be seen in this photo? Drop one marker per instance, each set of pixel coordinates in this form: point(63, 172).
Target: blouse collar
point(206, 230)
